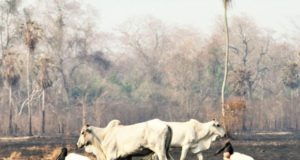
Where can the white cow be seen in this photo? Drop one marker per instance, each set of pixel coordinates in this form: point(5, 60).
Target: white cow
point(117, 141)
point(229, 153)
point(240, 156)
point(71, 156)
point(194, 136)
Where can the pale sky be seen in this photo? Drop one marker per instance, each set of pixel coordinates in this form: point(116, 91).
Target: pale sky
point(277, 15)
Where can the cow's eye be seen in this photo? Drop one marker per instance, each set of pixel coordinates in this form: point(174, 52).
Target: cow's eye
point(218, 125)
point(82, 133)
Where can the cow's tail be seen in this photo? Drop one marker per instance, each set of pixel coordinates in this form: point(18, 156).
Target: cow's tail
point(168, 143)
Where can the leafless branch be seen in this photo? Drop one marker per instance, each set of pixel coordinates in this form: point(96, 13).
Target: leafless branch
point(36, 94)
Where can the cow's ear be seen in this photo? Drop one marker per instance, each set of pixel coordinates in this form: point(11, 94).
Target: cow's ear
point(89, 130)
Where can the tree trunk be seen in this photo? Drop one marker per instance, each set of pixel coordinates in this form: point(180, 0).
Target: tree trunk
point(29, 123)
point(43, 112)
point(84, 111)
point(294, 114)
point(10, 127)
point(244, 118)
point(1, 41)
point(28, 94)
point(226, 64)
point(296, 111)
point(292, 107)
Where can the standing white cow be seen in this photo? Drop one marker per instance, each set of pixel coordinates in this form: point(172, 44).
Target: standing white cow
point(117, 141)
point(194, 136)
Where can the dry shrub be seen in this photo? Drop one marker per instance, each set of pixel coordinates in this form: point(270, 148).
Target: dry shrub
point(15, 155)
point(235, 104)
point(54, 154)
point(234, 114)
point(44, 148)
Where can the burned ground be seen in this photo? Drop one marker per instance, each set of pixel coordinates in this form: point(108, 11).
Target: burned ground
point(259, 146)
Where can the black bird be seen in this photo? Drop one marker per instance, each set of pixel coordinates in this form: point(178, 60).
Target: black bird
point(229, 153)
point(226, 148)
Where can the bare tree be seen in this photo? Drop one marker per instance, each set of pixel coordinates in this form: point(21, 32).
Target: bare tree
point(226, 3)
point(8, 18)
point(12, 77)
point(31, 33)
point(44, 82)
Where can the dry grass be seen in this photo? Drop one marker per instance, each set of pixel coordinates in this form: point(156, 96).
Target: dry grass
point(15, 155)
point(25, 138)
point(274, 133)
point(54, 154)
point(35, 148)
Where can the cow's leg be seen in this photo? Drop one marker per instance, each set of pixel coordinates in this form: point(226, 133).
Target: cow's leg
point(184, 151)
point(154, 157)
point(160, 155)
point(200, 156)
point(169, 156)
point(108, 157)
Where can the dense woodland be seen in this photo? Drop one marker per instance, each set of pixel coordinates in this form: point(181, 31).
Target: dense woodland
point(145, 69)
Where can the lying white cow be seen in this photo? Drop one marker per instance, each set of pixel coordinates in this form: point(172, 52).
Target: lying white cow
point(229, 153)
point(117, 141)
point(194, 136)
point(71, 156)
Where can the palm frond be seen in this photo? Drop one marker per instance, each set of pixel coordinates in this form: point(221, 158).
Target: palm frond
point(44, 79)
point(32, 33)
point(9, 70)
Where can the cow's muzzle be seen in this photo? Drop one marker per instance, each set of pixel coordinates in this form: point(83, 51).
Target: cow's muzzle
point(79, 146)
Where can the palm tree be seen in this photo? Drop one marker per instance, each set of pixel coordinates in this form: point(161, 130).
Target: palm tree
point(12, 78)
point(226, 3)
point(44, 82)
point(31, 34)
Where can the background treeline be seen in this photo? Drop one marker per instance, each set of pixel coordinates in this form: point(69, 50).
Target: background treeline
point(145, 69)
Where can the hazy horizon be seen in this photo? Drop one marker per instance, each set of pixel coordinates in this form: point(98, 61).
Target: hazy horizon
point(276, 15)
